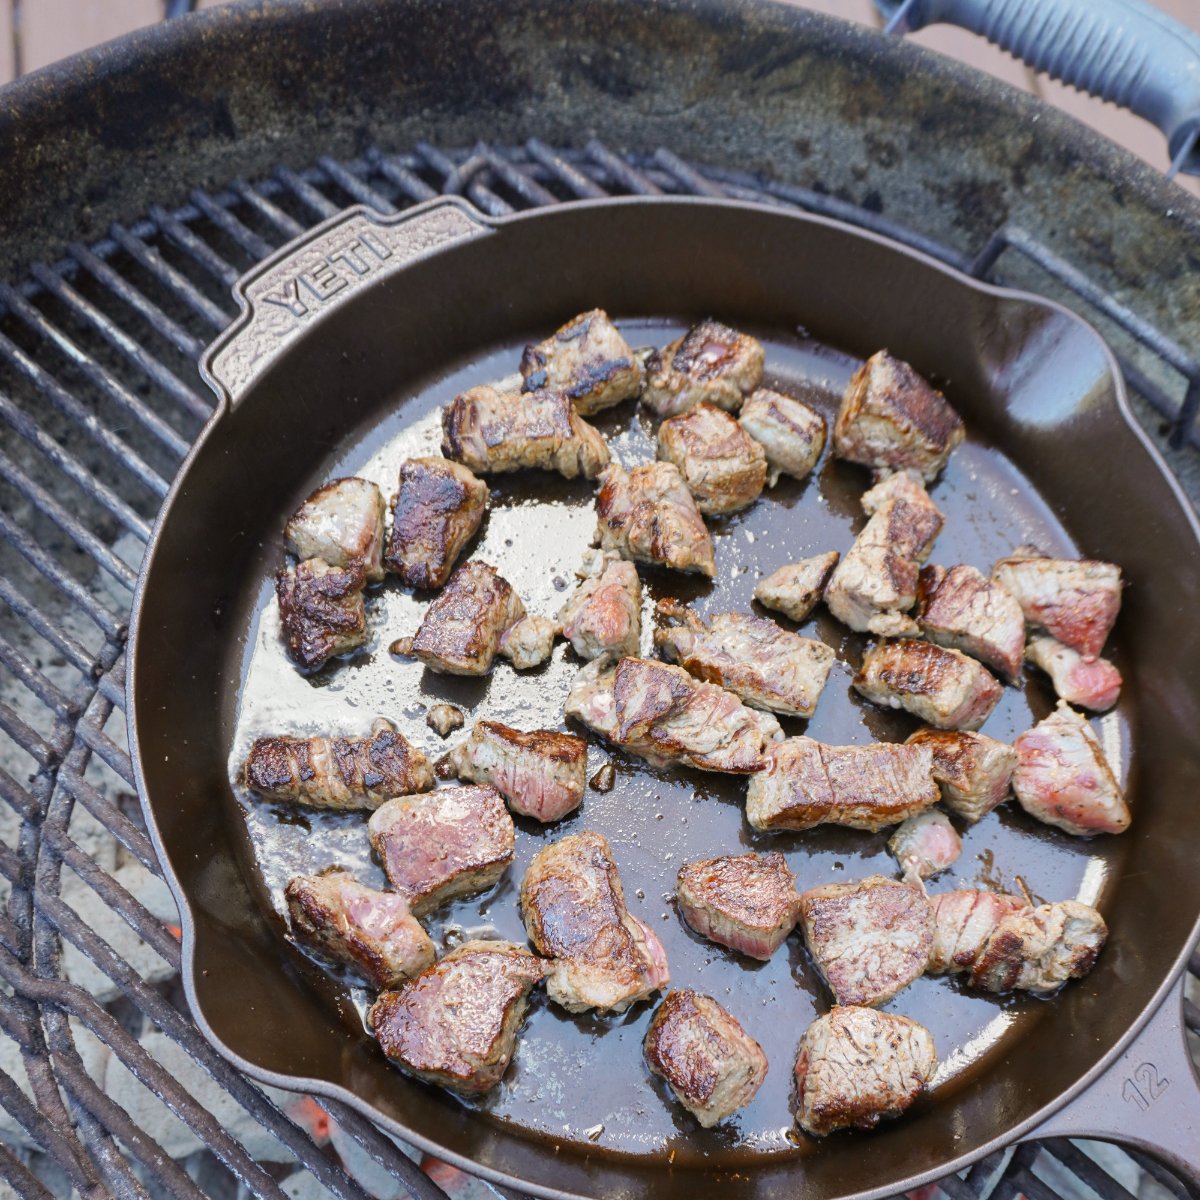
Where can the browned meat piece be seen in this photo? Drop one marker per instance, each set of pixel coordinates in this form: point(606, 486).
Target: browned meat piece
point(541, 774)
point(871, 787)
point(436, 510)
point(1091, 683)
point(964, 610)
point(454, 842)
point(791, 433)
point(794, 589)
point(1063, 778)
point(766, 666)
point(322, 611)
point(1075, 601)
point(456, 1024)
point(747, 902)
point(870, 939)
point(373, 932)
point(723, 467)
point(662, 714)
point(648, 515)
point(857, 1066)
point(892, 420)
point(603, 616)
point(492, 431)
point(712, 1064)
point(708, 363)
point(1003, 943)
point(338, 772)
point(573, 904)
point(528, 642)
point(973, 770)
point(444, 719)
point(875, 584)
point(341, 523)
point(926, 844)
point(943, 687)
point(587, 360)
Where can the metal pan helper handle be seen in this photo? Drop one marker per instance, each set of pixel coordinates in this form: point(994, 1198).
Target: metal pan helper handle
point(311, 276)
point(1125, 51)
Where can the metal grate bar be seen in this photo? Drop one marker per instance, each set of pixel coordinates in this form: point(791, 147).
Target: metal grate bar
point(627, 177)
point(67, 646)
point(35, 681)
point(355, 187)
point(286, 225)
point(200, 251)
point(228, 223)
point(412, 186)
point(319, 205)
point(175, 282)
point(562, 170)
point(128, 834)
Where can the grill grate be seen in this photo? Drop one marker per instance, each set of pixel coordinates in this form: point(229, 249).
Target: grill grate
point(106, 1086)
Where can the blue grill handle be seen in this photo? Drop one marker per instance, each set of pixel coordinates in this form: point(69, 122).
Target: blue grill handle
point(1125, 51)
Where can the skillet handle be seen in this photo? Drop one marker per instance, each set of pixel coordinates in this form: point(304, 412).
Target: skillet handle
point(1148, 1098)
point(304, 281)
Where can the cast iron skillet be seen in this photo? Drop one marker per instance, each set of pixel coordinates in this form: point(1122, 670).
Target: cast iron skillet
point(348, 341)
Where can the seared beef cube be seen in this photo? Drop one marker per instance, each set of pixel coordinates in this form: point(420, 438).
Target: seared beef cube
point(892, 420)
point(791, 433)
point(963, 923)
point(723, 467)
point(541, 774)
point(964, 610)
point(435, 513)
point(943, 687)
point(337, 772)
point(648, 515)
point(456, 1023)
point(794, 589)
point(603, 616)
point(1091, 683)
point(587, 360)
point(573, 905)
point(870, 939)
point(973, 770)
point(875, 584)
point(456, 841)
point(712, 1064)
point(528, 642)
point(492, 431)
point(857, 1066)
point(373, 932)
point(766, 666)
point(1075, 601)
point(747, 902)
point(322, 611)
point(926, 844)
point(805, 784)
point(341, 523)
point(709, 363)
point(1063, 778)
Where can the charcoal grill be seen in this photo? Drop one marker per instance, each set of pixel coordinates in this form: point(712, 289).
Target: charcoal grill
point(141, 180)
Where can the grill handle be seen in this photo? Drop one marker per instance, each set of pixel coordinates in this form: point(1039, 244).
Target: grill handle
point(1125, 51)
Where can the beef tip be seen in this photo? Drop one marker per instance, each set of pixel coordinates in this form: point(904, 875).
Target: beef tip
point(875, 584)
point(870, 939)
point(444, 719)
point(456, 841)
point(648, 515)
point(973, 770)
point(573, 904)
point(963, 921)
point(322, 611)
point(747, 902)
point(943, 687)
point(603, 616)
point(1063, 778)
point(341, 523)
point(491, 431)
point(1091, 683)
point(805, 784)
point(925, 845)
point(791, 433)
point(892, 420)
point(541, 774)
point(337, 772)
point(857, 1066)
point(456, 1023)
point(1075, 601)
point(768, 667)
point(587, 360)
point(528, 642)
point(794, 589)
point(722, 465)
point(711, 1063)
point(436, 510)
point(964, 610)
point(709, 363)
point(373, 932)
